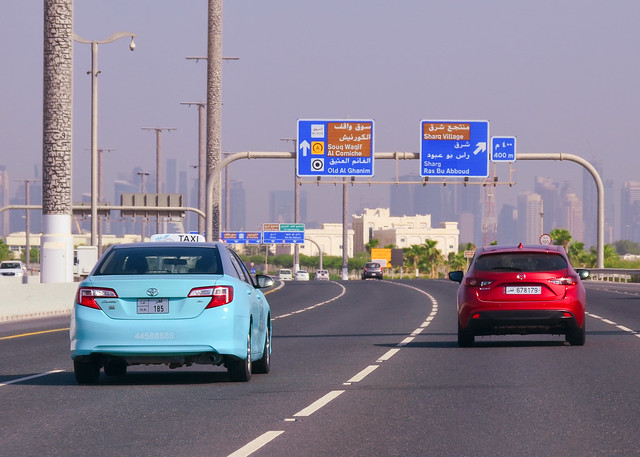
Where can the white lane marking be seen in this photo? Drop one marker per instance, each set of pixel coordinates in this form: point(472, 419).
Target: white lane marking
point(26, 378)
point(316, 405)
point(388, 355)
point(406, 341)
point(363, 374)
point(256, 444)
point(344, 291)
point(610, 322)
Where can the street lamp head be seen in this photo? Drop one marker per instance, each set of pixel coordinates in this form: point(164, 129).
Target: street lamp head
point(132, 45)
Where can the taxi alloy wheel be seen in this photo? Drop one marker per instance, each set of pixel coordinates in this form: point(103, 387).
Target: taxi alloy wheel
point(263, 365)
point(240, 370)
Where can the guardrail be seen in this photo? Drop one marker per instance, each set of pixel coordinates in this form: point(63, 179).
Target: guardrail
point(615, 274)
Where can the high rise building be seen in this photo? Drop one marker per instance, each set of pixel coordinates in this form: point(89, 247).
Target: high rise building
point(530, 217)
point(4, 200)
point(282, 206)
point(572, 217)
point(508, 225)
point(237, 207)
point(630, 211)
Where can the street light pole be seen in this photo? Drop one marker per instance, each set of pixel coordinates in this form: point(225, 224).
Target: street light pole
point(202, 158)
point(296, 205)
point(94, 121)
point(158, 131)
point(142, 175)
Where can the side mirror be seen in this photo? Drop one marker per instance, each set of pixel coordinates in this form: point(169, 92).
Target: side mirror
point(584, 274)
point(264, 281)
point(456, 276)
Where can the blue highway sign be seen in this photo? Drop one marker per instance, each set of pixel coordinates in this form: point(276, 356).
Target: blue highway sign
point(454, 149)
point(335, 148)
point(503, 148)
point(242, 237)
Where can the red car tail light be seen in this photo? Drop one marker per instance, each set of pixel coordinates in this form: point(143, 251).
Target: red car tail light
point(565, 281)
point(220, 295)
point(477, 282)
point(86, 296)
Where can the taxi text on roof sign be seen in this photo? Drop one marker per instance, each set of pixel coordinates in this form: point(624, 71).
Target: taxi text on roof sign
point(178, 237)
point(335, 147)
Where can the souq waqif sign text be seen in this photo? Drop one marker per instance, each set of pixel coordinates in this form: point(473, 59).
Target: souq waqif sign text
point(454, 149)
point(335, 148)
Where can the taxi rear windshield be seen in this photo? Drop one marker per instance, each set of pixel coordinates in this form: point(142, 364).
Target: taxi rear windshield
point(525, 261)
point(173, 260)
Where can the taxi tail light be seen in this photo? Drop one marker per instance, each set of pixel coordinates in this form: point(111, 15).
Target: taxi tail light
point(220, 295)
point(86, 296)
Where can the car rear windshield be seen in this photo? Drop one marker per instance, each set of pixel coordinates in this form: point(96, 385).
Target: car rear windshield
point(7, 265)
point(521, 261)
point(373, 265)
point(174, 260)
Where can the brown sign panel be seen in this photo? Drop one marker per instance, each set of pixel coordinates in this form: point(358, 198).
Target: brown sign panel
point(349, 139)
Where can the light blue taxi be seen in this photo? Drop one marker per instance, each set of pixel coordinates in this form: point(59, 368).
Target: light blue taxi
point(176, 301)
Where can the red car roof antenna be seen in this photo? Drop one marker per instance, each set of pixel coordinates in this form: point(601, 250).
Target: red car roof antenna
point(520, 246)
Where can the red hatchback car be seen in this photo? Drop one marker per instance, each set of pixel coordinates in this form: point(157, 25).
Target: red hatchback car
point(521, 290)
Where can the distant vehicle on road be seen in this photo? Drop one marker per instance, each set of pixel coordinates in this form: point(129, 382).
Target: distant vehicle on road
point(302, 275)
point(285, 274)
point(521, 290)
point(372, 270)
point(12, 268)
point(322, 275)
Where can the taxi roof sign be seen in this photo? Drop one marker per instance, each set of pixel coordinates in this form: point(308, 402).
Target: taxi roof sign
point(178, 237)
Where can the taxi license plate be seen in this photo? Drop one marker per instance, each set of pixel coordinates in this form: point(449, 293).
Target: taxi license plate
point(153, 305)
point(523, 290)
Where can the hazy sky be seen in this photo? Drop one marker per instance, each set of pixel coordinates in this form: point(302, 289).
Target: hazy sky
point(562, 76)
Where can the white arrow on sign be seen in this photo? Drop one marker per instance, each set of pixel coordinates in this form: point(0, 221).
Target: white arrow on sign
point(480, 147)
point(305, 146)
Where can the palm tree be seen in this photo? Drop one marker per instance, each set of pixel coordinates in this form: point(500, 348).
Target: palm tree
point(413, 254)
point(432, 255)
point(561, 237)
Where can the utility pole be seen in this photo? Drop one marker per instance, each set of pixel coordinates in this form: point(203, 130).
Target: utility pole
point(158, 131)
point(27, 219)
point(202, 158)
point(100, 195)
point(296, 205)
point(143, 227)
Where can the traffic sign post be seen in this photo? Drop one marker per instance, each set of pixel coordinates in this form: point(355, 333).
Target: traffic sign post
point(242, 237)
point(335, 148)
point(283, 233)
point(454, 149)
point(503, 148)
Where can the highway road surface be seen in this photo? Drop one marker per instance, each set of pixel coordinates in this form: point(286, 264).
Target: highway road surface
point(359, 368)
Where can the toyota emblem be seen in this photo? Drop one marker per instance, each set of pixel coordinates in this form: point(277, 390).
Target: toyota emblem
point(152, 292)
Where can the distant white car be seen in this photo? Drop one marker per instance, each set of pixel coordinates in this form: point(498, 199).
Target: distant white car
point(322, 275)
point(302, 275)
point(12, 268)
point(285, 274)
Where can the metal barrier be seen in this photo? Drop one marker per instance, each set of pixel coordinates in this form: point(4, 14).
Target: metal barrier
point(615, 274)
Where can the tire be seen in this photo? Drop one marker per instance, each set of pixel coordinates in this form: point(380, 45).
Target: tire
point(116, 368)
point(576, 337)
point(86, 372)
point(263, 366)
point(465, 337)
point(240, 369)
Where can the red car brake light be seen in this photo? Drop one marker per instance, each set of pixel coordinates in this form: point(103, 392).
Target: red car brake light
point(220, 295)
point(86, 296)
point(565, 281)
point(477, 282)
